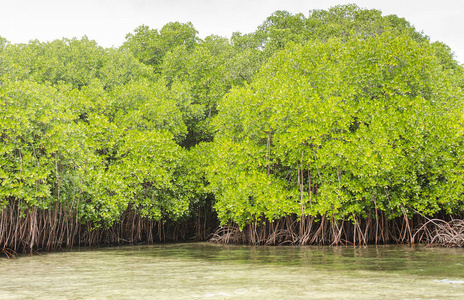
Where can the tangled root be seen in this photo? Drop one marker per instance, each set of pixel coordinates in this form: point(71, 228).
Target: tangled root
point(227, 235)
point(8, 252)
point(442, 233)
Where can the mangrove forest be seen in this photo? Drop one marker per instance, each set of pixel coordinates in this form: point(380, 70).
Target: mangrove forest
point(342, 126)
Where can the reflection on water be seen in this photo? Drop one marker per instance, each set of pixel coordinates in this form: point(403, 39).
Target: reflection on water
point(209, 271)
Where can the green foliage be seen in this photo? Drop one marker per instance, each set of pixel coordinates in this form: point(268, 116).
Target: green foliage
point(150, 46)
point(342, 114)
point(74, 62)
point(145, 106)
point(341, 128)
point(3, 42)
point(200, 72)
point(341, 21)
point(87, 154)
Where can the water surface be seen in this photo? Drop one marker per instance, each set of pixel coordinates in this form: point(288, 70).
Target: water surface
point(210, 271)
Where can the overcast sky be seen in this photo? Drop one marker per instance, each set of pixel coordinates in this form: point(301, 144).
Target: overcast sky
point(108, 21)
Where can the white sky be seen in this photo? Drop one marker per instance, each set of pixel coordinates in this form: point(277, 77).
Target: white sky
point(108, 21)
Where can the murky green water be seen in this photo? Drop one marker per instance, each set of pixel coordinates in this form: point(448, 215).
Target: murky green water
point(209, 271)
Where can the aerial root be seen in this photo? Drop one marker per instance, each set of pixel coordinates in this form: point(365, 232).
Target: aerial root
point(442, 233)
point(330, 232)
point(8, 252)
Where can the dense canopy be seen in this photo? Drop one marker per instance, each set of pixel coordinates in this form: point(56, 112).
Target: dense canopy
point(343, 114)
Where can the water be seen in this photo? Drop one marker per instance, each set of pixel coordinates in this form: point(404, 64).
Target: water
point(210, 271)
